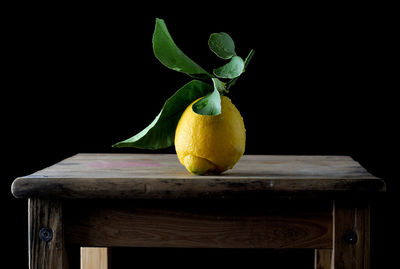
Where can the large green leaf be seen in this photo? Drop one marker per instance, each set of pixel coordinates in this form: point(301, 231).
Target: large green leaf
point(161, 132)
point(222, 45)
point(232, 69)
point(168, 53)
point(211, 103)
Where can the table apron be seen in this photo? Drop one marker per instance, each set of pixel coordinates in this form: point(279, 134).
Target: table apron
point(91, 224)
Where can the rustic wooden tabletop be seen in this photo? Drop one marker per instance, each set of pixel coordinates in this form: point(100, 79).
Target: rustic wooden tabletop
point(161, 176)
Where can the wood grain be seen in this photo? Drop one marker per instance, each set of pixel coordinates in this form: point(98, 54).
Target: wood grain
point(322, 258)
point(351, 217)
point(161, 176)
point(94, 258)
point(46, 254)
point(189, 226)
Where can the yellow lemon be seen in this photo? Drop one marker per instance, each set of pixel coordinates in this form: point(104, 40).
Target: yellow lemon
point(210, 144)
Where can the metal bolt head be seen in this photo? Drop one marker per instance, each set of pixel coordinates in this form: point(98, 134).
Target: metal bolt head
point(350, 237)
point(46, 234)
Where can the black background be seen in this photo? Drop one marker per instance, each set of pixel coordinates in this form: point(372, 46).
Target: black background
point(78, 78)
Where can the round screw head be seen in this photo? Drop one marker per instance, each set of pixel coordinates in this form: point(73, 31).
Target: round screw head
point(350, 237)
point(46, 234)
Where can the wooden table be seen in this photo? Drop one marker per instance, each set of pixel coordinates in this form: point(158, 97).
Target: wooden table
point(150, 200)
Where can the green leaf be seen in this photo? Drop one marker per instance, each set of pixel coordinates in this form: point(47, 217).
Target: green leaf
point(232, 69)
point(219, 85)
point(211, 103)
point(222, 45)
point(246, 63)
point(161, 132)
point(168, 53)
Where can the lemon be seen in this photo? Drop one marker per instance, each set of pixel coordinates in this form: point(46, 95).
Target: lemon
point(210, 144)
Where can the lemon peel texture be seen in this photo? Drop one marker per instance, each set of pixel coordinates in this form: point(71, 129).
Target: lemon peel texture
point(210, 144)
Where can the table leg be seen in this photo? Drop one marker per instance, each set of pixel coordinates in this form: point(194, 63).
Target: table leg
point(351, 235)
point(45, 235)
point(94, 258)
point(322, 258)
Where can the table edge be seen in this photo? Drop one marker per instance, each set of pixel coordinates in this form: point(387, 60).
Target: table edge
point(147, 187)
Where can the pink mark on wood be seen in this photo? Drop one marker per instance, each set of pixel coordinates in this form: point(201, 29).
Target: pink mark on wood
point(120, 164)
